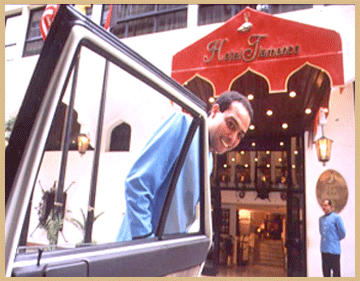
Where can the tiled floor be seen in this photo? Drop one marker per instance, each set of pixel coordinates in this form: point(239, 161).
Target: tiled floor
point(253, 270)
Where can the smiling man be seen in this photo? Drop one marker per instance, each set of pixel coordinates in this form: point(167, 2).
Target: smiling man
point(147, 182)
point(229, 121)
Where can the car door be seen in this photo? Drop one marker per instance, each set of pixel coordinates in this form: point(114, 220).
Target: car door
point(90, 107)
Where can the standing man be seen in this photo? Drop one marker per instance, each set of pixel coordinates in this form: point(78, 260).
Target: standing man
point(147, 182)
point(332, 230)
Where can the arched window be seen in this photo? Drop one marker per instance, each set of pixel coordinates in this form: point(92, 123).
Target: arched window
point(120, 138)
point(55, 136)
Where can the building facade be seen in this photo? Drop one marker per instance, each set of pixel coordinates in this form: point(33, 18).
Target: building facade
point(158, 33)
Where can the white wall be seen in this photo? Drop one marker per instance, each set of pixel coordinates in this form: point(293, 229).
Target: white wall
point(341, 129)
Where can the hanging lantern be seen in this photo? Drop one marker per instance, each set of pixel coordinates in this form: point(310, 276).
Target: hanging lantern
point(323, 148)
point(83, 143)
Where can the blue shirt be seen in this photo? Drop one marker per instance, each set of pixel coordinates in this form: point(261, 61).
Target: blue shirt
point(332, 230)
point(147, 182)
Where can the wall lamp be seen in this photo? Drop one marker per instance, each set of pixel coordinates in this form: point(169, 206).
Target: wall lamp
point(323, 147)
point(83, 143)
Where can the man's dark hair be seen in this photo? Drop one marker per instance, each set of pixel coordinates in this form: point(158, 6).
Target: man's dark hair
point(226, 98)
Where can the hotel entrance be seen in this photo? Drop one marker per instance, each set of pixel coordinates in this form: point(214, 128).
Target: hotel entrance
point(259, 246)
point(258, 209)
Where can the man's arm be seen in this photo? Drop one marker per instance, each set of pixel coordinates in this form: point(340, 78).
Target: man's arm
point(149, 173)
point(340, 228)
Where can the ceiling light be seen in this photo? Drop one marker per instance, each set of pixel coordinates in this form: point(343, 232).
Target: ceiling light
point(292, 94)
point(252, 127)
point(296, 152)
point(269, 112)
point(308, 111)
point(281, 143)
point(242, 152)
point(293, 166)
point(211, 100)
point(285, 125)
point(246, 165)
point(233, 159)
point(267, 152)
point(250, 97)
point(225, 166)
point(256, 159)
point(253, 144)
point(267, 165)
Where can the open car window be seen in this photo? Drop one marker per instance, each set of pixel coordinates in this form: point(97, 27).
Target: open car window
point(94, 182)
point(92, 114)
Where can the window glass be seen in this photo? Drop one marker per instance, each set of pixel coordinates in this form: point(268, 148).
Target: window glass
point(140, 26)
point(104, 13)
point(169, 6)
point(240, 163)
point(88, 10)
point(225, 221)
point(297, 163)
point(134, 20)
point(222, 12)
point(34, 42)
point(264, 168)
point(279, 160)
point(282, 8)
point(219, 12)
point(92, 179)
point(120, 138)
point(171, 21)
point(55, 138)
point(246, 170)
point(139, 9)
point(184, 211)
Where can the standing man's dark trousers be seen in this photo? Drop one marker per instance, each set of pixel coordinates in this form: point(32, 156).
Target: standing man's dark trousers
point(330, 261)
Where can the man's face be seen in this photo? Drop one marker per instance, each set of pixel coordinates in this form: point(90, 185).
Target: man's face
point(326, 207)
point(227, 128)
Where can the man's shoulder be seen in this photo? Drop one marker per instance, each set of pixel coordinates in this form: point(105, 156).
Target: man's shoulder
point(180, 119)
point(335, 215)
point(181, 116)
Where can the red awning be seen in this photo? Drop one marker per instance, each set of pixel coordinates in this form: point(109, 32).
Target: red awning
point(273, 48)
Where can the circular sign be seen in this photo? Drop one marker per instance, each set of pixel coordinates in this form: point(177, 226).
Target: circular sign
point(331, 185)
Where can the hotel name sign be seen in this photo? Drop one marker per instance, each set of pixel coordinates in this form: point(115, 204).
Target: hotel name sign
point(253, 52)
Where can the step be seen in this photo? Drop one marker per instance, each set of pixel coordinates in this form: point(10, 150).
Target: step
point(269, 250)
point(278, 264)
point(268, 245)
point(276, 253)
point(269, 256)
